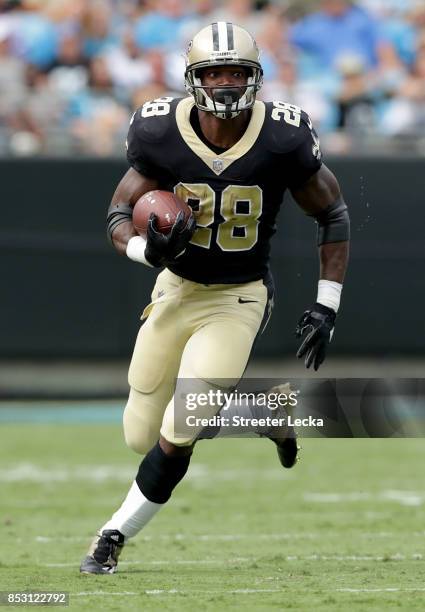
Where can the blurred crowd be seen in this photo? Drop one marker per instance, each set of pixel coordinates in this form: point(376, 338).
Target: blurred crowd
point(71, 71)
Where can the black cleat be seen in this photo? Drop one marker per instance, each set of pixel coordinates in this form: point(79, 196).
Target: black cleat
point(287, 449)
point(103, 554)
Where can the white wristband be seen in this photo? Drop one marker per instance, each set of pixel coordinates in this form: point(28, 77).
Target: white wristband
point(136, 250)
point(329, 294)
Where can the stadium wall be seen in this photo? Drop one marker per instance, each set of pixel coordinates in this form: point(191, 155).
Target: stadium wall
point(65, 293)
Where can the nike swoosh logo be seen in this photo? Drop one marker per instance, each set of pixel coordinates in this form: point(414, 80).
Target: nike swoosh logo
point(241, 301)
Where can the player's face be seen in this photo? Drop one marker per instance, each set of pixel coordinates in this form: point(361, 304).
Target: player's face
point(225, 83)
point(222, 76)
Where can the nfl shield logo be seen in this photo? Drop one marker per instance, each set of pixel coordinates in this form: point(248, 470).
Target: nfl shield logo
point(218, 166)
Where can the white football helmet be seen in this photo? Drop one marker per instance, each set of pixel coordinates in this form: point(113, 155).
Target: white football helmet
point(223, 44)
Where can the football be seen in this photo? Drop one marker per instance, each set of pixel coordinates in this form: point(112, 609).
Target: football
point(164, 204)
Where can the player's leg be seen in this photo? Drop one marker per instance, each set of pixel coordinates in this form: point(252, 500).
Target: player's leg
point(152, 374)
point(160, 471)
point(219, 349)
point(155, 363)
point(253, 300)
point(254, 412)
point(216, 351)
point(213, 361)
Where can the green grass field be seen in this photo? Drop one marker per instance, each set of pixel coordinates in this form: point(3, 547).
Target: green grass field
point(342, 530)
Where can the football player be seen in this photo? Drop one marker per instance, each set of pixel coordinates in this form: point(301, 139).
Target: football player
point(231, 158)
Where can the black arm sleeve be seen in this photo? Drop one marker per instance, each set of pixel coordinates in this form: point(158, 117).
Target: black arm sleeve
point(334, 223)
point(117, 214)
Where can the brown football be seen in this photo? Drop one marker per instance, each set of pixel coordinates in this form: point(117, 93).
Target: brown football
point(166, 207)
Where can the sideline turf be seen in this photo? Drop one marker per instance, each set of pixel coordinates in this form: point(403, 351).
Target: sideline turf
point(239, 532)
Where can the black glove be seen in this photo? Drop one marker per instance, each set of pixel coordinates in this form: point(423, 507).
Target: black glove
point(319, 323)
point(162, 249)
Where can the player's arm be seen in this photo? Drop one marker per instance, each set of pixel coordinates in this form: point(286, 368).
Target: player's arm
point(156, 249)
point(120, 228)
point(320, 197)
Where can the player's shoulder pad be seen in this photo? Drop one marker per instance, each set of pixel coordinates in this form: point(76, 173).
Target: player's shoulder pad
point(152, 122)
point(287, 126)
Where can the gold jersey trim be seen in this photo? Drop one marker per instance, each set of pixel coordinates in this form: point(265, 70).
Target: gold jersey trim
point(218, 162)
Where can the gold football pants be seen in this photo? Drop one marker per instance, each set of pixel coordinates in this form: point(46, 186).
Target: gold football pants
point(200, 332)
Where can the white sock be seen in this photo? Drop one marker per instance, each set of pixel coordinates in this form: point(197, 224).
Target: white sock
point(135, 512)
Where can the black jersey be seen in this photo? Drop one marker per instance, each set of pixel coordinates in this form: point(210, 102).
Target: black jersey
point(235, 195)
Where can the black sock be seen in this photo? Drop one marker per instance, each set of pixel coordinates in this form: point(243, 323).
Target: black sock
point(159, 474)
